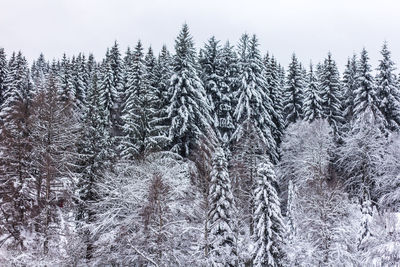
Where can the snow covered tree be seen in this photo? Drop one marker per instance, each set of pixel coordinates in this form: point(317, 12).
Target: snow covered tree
point(312, 98)
point(268, 221)
point(188, 110)
point(349, 87)
point(226, 106)
point(54, 135)
point(254, 105)
point(3, 75)
point(80, 81)
point(331, 94)
point(326, 222)
point(293, 94)
point(388, 91)
point(66, 88)
point(275, 92)
point(366, 99)
point(361, 156)
point(221, 213)
point(290, 211)
point(15, 151)
point(96, 156)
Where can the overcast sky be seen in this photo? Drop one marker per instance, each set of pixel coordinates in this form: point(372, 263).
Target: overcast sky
point(310, 28)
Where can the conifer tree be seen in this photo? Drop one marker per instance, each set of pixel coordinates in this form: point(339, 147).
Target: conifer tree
point(254, 104)
point(275, 93)
point(366, 98)
point(331, 93)
point(3, 75)
point(221, 213)
point(312, 99)
point(163, 74)
point(268, 222)
point(349, 87)
point(388, 92)
point(226, 123)
point(293, 95)
point(96, 157)
point(188, 109)
point(135, 94)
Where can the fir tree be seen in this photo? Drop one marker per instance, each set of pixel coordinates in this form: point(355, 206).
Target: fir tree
point(3, 75)
point(222, 209)
point(331, 93)
point(188, 109)
point(226, 105)
point(96, 157)
point(254, 104)
point(293, 95)
point(388, 92)
point(275, 93)
point(349, 87)
point(268, 222)
point(133, 106)
point(365, 95)
point(312, 99)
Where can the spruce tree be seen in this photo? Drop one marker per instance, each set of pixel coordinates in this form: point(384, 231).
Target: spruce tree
point(366, 99)
point(133, 105)
point(221, 213)
point(293, 95)
point(96, 157)
point(254, 104)
point(312, 99)
point(3, 75)
point(65, 86)
point(331, 93)
point(268, 222)
point(188, 109)
point(388, 92)
point(349, 87)
point(226, 123)
point(275, 93)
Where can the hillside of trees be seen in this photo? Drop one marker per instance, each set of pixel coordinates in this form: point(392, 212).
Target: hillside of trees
point(212, 157)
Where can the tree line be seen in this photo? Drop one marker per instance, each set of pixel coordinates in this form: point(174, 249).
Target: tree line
point(216, 157)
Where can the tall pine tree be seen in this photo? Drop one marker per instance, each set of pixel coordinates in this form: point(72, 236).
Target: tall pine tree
point(388, 91)
point(188, 109)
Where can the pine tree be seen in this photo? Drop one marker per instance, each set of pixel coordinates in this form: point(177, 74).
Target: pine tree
point(254, 104)
point(96, 157)
point(3, 75)
point(349, 87)
point(226, 123)
point(312, 99)
point(275, 93)
point(388, 92)
point(365, 95)
point(188, 109)
point(66, 89)
point(80, 81)
point(163, 74)
point(268, 222)
point(131, 117)
point(221, 213)
point(39, 70)
point(331, 93)
point(293, 95)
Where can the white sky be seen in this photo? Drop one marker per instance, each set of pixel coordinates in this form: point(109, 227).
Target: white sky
point(310, 28)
